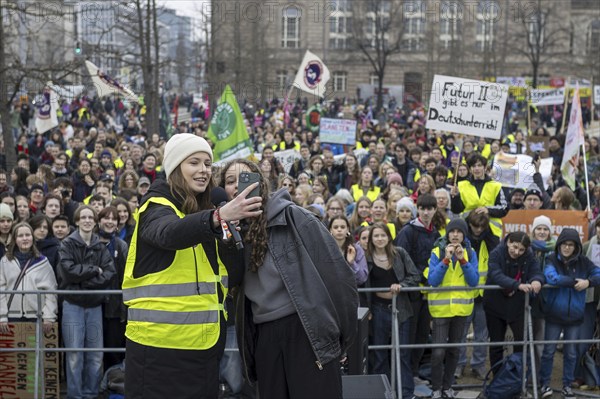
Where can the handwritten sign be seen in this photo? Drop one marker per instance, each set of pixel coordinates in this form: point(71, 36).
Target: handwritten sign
point(338, 131)
point(539, 144)
point(467, 106)
point(17, 369)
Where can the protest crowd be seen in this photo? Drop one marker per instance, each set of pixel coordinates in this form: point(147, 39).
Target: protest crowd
point(407, 206)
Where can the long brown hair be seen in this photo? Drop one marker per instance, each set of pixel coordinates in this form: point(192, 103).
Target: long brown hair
point(257, 230)
point(190, 202)
point(390, 250)
point(10, 250)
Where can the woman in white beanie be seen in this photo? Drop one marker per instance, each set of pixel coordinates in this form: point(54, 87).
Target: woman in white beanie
point(176, 278)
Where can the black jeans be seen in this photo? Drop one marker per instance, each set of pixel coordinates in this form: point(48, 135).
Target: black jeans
point(444, 360)
point(285, 364)
point(420, 326)
point(497, 330)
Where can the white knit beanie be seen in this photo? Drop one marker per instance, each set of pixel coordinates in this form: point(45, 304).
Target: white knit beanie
point(5, 212)
point(181, 146)
point(541, 221)
point(407, 202)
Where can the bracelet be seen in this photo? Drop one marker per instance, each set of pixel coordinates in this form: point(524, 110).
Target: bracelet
point(226, 233)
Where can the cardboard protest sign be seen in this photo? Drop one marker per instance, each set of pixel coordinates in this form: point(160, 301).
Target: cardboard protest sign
point(522, 220)
point(467, 106)
point(518, 170)
point(17, 369)
point(338, 131)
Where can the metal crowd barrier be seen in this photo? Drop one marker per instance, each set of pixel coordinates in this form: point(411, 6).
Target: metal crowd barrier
point(528, 342)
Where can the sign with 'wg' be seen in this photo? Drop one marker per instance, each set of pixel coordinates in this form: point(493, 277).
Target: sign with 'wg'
point(467, 106)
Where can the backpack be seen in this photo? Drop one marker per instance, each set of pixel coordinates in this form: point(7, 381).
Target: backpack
point(506, 383)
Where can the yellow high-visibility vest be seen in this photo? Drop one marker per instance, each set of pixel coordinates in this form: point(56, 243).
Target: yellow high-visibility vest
point(178, 307)
point(472, 201)
point(450, 303)
point(372, 194)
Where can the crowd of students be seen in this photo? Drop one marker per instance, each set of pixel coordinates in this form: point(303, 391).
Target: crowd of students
point(420, 208)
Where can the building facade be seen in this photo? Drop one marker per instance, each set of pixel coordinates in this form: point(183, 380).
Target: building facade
point(257, 46)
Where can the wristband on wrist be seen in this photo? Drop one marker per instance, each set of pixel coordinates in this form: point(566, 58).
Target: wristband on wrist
point(226, 233)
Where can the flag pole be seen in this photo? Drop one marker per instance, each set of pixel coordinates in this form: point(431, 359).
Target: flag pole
point(529, 111)
point(562, 127)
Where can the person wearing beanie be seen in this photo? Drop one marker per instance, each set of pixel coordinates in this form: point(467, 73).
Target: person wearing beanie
point(572, 273)
point(534, 198)
point(453, 263)
point(517, 196)
point(176, 277)
point(543, 245)
point(394, 180)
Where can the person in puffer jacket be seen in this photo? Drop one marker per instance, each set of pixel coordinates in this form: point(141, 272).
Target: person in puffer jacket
point(572, 273)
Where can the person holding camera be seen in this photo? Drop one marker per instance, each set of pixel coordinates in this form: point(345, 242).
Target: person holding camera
point(296, 309)
point(176, 280)
point(453, 263)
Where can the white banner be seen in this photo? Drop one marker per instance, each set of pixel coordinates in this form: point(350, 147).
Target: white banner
point(467, 106)
point(312, 75)
point(573, 142)
point(518, 170)
point(547, 97)
point(106, 85)
point(46, 109)
point(337, 131)
point(287, 158)
point(597, 95)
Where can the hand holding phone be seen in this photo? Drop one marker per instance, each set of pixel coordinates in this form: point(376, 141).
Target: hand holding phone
point(245, 179)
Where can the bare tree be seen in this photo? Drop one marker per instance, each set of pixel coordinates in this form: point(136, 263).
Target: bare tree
point(22, 27)
point(540, 27)
point(378, 32)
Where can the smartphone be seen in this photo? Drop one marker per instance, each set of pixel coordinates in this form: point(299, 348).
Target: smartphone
point(246, 179)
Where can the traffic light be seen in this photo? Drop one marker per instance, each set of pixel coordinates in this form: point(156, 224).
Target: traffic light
point(77, 48)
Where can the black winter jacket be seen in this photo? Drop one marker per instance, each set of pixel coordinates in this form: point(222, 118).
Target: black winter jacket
point(79, 269)
point(418, 242)
point(508, 304)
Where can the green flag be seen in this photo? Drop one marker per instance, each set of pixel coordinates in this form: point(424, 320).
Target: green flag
point(228, 131)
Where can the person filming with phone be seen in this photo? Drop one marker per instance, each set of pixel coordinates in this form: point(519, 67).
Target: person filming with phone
point(176, 278)
point(296, 309)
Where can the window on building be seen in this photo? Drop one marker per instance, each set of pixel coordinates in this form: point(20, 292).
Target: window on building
point(413, 36)
point(450, 24)
point(536, 27)
point(282, 80)
point(593, 42)
point(290, 28)
point(486, 24)
point(377, 24)
point(339, 81)
point(340, 24)
point(373, 79)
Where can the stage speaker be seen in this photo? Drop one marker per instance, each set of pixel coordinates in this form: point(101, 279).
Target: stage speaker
point(358, 352)
point(366, 387)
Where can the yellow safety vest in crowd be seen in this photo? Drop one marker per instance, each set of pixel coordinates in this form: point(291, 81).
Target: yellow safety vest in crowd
point(469, 197)
point(390, 226)
point(372, 194)
point(282, 146)
point(483, 257)
point(178, 307)
point(450, 303)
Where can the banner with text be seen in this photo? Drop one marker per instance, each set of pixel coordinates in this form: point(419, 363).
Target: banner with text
point(518, 170)
point(597, 95)
point(337, 131)
point(18, 368)
point(467, 106)
point(547, 97)
point(522, 220)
